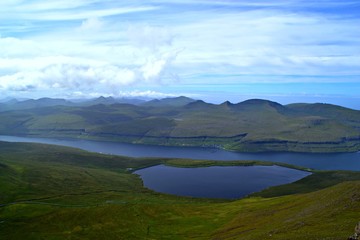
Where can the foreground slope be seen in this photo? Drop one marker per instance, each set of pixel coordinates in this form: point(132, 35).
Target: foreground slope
point(50, 192)
point(325, 214)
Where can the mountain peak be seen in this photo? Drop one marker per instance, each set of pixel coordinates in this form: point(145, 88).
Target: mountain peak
point(227, 103)
point(198, 104)
point(105, 98)
point(257, 101)
point(170, 101)
point(261, 104)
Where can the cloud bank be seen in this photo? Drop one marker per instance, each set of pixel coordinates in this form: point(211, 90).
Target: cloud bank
point(149, 52)
point(91, 46)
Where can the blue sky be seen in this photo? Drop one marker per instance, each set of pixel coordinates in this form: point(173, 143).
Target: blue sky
point(287, 51)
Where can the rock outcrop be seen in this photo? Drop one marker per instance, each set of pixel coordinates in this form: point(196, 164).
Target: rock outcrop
point(356, 235)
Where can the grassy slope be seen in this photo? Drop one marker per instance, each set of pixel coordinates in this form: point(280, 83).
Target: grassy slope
point(63, 193)
point(325, 214)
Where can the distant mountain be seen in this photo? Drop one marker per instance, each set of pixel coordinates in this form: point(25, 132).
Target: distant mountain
point(111, 100)
point(101, 100)
point(133, 101)
point(253, 125)
point(200, 105)
point(174, 102)
point(13, 104)
point(31, 103)
point(323, 109)
point(8, 100)
point(260, 104)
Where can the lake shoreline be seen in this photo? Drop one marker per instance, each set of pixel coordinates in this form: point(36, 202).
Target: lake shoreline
point(318, 161)
point(219, 182)
point(255, 146)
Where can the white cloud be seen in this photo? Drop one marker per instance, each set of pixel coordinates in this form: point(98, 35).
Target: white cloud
point(19, 82)
point(71, 77)
point(91, 24)
point(15, 47)
point(145, 36)
point(77, 63)
point(63, 10)
point(72, 73)
point(105, 45)
point(154, 46)
point(146, 94)
point(86, 77)
point(75, 15)
point(151, 94)
point(154, 67)
point(270, 42)
point(143, 94)
point(22, 5)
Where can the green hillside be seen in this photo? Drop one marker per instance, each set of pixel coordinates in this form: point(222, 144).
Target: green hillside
point(250, 126)
point(49, 192)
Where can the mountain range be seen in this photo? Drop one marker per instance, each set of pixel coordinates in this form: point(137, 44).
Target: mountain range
point(254, 125)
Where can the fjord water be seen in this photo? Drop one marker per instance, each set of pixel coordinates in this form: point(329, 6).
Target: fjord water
point(217, 182)
point(321, 161)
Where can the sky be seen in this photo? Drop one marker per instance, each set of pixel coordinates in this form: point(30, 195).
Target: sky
point(215, 50)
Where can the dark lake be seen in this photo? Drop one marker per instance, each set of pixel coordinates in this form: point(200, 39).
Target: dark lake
point(217, 182)
point(323, 161)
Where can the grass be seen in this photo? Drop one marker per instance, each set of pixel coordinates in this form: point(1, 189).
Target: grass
point(49, 192)
point(208, 163)
point(325, 214)
point(318, 180)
